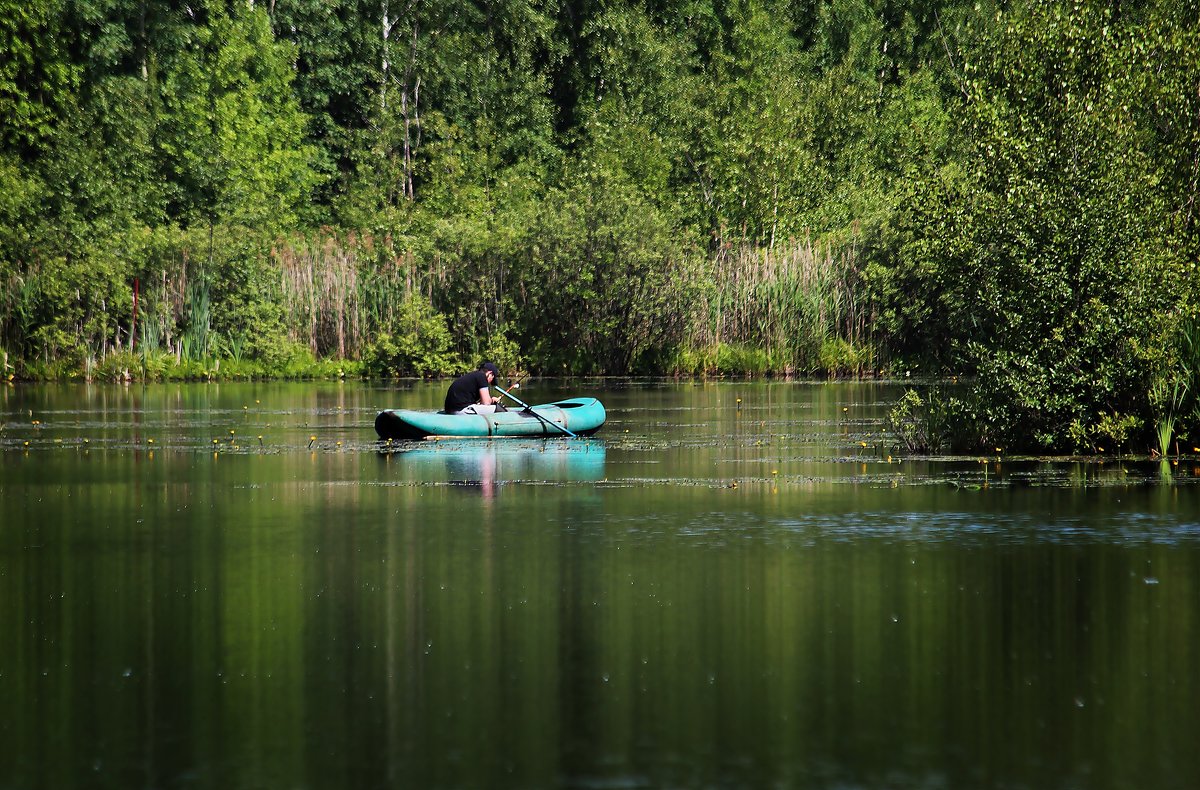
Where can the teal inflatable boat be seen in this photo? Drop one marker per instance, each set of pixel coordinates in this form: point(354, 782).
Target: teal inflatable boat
point(574, 416)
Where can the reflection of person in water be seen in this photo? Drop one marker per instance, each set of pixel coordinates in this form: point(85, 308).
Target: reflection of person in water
point(487, 477)
point(475, 471)
point(470, 393)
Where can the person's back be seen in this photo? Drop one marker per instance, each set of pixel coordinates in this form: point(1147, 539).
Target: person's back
point(470, 389)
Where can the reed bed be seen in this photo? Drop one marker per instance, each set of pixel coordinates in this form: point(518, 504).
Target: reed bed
point(775, 310)
point(793, 302)
point(338, 294)
point(318, 287)
point(174, 308)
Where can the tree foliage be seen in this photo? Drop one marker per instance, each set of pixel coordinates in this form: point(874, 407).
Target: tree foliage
point(1048, 264)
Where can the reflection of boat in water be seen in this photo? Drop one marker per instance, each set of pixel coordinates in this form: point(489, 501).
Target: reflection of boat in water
point(471, 461)
point(578, 416)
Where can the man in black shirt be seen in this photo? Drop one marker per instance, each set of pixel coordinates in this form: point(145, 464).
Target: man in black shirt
point(469, 393)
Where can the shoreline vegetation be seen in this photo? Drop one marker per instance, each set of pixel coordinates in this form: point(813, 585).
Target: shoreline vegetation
point(1001, 191)
point(343, 312)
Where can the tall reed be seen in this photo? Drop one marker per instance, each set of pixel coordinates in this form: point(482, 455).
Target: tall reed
point(1174, 395)
point(1169, 399)
point(788, 301)
point(338, 294)
point(1165, 430)
point(174, 310)
point(195, 341)
point(318, 284)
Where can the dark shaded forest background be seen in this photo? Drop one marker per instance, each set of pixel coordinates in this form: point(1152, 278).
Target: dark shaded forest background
point(1000, 191)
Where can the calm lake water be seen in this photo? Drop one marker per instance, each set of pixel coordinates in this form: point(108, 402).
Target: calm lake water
point(236, 586)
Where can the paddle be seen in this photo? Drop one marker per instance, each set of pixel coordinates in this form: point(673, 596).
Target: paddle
point(529, 409)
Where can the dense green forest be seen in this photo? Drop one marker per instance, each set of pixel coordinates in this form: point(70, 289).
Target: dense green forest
point(1001, 191)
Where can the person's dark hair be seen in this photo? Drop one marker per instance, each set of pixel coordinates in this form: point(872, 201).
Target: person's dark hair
point(492, 367)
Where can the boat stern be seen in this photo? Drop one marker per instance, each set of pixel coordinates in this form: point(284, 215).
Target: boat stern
point(389, 424)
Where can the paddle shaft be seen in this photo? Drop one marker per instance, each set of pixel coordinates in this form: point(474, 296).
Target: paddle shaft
point(530, 409)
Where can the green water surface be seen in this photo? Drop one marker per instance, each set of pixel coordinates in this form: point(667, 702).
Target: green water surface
point(732, 585)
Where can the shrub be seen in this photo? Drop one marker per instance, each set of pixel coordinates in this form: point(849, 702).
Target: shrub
point(1110, 431)
point(505, 353)
point(740, 359)
point(929, 423)
point(690, 361)
point(418, 344)
point(839, 357)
